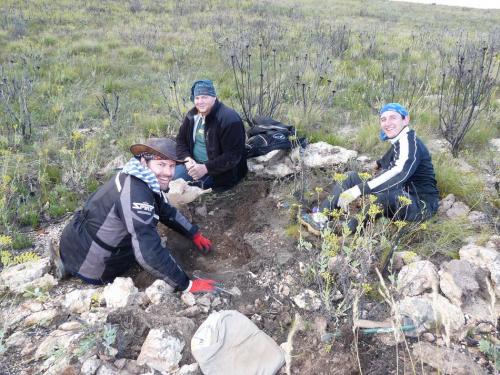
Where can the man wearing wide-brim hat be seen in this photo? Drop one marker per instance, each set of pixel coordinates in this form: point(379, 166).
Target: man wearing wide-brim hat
point(117, 225)
point(211, 141)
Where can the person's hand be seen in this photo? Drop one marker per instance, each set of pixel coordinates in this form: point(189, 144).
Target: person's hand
point(197, 171)
point(201, 286)
point(189, 162)
point(347, 197)
point(202, 243)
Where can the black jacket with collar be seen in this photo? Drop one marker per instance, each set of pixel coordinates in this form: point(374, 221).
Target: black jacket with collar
point(225, 142)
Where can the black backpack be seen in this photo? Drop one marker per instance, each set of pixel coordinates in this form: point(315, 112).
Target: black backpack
point(268, 135)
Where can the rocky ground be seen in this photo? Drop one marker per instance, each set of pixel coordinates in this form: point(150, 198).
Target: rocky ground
point(137, 326)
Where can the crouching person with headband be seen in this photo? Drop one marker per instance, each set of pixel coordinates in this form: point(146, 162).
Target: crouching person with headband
point(117, 225)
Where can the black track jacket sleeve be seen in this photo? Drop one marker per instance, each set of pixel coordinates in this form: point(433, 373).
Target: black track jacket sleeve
point(137, 208)
point(405, 160)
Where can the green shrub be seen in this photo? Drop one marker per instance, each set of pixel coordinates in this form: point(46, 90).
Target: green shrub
point(466, 186)
point(61, 200)
point(29, 214)
point(21, 241)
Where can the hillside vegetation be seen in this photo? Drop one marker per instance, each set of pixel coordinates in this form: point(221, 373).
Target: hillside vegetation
point(84, 80)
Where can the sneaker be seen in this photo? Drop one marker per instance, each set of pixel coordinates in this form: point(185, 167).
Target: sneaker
point(314, 222)
point(55, 257)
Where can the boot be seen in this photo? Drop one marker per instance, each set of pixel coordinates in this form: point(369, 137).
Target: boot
point(55, 258)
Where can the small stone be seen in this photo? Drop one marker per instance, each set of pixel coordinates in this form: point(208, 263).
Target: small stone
point(235, 291)
point(70, 326)
point(188, 299)
point(90, 366)
point(429, 337)
point(308, 300)
point(201, 210)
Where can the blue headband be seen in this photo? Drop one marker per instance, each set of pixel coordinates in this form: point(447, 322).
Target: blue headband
point(202, 87)
point(396, 107)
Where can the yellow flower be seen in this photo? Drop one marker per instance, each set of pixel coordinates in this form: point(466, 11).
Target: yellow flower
point(374, 210)
point(318, 189)
point(339, 177)
point(365, 176)
point(400, 224)
point(423, 226)
point(5, 240)
point(335, 214)
point(405, 201)
point(372, 198)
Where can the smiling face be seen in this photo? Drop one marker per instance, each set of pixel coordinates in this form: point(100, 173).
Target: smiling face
point(204, 103)
point(392, 123)
point(162, 169)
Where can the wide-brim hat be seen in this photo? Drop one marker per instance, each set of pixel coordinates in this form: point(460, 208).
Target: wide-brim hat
point(164, 148)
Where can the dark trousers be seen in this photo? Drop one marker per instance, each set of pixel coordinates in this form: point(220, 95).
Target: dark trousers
point(417, 210)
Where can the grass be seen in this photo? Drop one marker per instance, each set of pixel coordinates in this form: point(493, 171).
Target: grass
point(78, 53)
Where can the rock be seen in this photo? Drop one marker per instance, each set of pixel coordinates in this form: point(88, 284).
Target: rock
point(477, 218)
point(402, 258)
point(109, 369)
point(278, 170)
point(79, 301)
point(486, 258)
point(161, 351)
point(320, 324)
point(480, 310)
point(41, 318)
point(446, 203)
point(429, 337)
point(204, 302)
point(307, 300)
point(235, 291)
point(90, 366)
point(156, 292)
point(17, 339)
point(495, 144)
point(56, 340)
point(417, 277)
point(322, 155)
point(271, 165)
point(431, 310)
point(201, 210)
point(458, 210)
point(70, 326)
point(120, 293)
point(446, 360)
point(20, 277)
point(458, 280)
point(192, 369)
point(390, 338)
point(188, 299)
point(131, 326)
point(493, 243)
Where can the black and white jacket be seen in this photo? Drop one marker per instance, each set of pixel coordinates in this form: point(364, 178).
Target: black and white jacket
point(407, 165)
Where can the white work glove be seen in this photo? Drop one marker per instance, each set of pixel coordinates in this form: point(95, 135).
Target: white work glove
point(347, 197)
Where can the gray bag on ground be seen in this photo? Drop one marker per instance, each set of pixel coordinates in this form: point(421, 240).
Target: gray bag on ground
point(228, 343)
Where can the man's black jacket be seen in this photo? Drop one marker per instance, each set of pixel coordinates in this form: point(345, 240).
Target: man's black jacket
point(225, 142)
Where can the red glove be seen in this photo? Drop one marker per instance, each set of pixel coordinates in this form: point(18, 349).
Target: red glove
point(202, 243)
point(201, 286)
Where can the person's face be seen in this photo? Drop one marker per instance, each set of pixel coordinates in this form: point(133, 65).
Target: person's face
point(392, 123)
point(163, 170)
point(204, 103)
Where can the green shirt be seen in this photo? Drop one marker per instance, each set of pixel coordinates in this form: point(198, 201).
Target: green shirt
point(200, 147)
